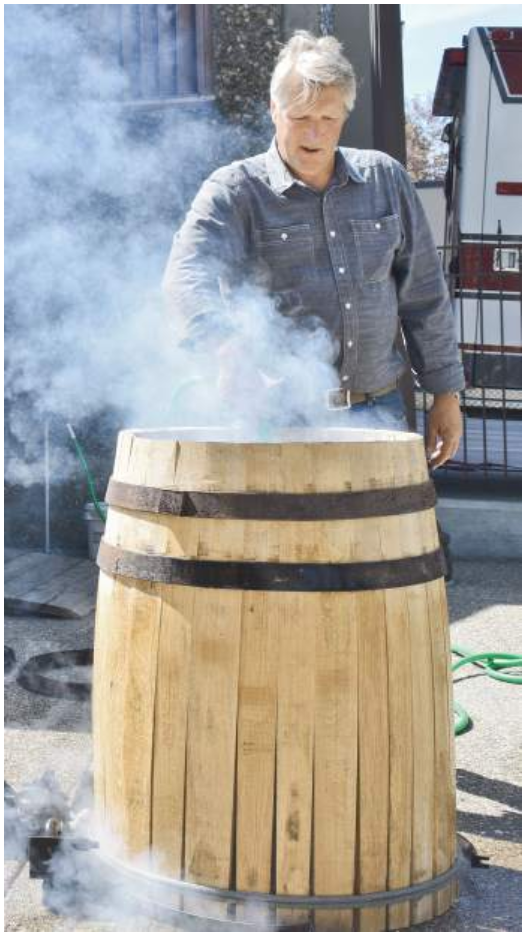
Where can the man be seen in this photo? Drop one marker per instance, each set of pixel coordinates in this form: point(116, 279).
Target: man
point(330, 233)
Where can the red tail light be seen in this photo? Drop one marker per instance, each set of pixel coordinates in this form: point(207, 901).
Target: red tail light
point(487, 267)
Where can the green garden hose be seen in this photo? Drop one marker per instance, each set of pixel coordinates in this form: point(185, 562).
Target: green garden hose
point(100, 508)
point(494, 663)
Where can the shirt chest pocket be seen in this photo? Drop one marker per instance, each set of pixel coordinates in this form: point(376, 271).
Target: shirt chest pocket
point(286, 250)
point(376, 242)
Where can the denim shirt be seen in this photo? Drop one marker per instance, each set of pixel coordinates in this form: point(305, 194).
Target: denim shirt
point(359, 256)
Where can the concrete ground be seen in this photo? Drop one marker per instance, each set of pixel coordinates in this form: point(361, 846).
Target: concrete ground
point(486, 614)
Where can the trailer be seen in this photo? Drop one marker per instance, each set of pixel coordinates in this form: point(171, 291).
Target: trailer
point(480, 89)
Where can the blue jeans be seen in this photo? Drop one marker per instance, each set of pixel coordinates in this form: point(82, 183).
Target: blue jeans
point(386, 412)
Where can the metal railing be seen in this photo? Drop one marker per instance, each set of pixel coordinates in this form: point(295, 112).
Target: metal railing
point(484, 276)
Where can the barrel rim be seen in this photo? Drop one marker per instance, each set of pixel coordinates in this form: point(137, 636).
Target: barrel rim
point(299, 436)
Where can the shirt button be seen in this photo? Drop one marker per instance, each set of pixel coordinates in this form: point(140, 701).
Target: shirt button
point(377, 226)
point(342, 269)
point(284, 235)
point(347, 305)
point(332, 232)
point(345, 378)
point(349, 344)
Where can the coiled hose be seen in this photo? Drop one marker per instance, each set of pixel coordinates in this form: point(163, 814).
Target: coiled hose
point(493, 663)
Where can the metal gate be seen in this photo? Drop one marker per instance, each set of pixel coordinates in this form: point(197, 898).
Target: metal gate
point(485, 280)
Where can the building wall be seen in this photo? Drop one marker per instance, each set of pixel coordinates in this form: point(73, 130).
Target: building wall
point(353, 30)
point(432, 198)
point(246, 38)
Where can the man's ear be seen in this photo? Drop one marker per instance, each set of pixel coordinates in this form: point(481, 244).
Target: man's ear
point(273, 107)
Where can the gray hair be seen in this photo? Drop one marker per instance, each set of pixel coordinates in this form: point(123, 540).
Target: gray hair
point(316, 63)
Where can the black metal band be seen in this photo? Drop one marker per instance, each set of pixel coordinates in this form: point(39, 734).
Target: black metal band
point(273, 506)
point(140, 881)
point(278, 577)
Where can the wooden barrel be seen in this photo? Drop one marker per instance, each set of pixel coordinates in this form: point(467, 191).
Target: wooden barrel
point(272, 697)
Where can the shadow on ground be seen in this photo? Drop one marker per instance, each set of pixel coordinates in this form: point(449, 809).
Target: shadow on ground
point(32, 635)
point(489, 901)
point(483, 584)
point(505, 826)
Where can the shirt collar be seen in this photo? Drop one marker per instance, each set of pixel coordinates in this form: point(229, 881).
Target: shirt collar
point(281, 177)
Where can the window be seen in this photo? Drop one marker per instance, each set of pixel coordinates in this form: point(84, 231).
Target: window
point(506, 260)
point(164, 50)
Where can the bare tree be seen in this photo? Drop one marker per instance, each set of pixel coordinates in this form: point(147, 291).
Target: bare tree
point(427, 155)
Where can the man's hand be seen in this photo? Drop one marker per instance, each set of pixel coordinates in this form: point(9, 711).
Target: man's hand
point(444, 429)
point(238, 380)
point(242, 385)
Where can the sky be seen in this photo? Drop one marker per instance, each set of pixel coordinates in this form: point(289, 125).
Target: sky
point(429, 28)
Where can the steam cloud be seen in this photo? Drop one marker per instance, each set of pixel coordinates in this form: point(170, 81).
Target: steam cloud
point(94, 192)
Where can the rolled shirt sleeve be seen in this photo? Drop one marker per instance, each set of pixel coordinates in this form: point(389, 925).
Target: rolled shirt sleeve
point(424, 305)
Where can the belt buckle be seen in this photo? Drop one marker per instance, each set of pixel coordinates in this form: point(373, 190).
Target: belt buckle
point(338, 399)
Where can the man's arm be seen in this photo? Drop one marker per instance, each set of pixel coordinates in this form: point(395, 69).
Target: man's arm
point(206, 261)
point(428, 323)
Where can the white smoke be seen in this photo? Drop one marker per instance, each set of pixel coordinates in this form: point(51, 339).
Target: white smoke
point(92, 198)
point(90, 876)
point(92, 195)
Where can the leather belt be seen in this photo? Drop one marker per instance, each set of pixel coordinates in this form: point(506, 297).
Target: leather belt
point(344, 398)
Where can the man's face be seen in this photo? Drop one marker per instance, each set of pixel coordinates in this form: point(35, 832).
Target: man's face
point(307, 135)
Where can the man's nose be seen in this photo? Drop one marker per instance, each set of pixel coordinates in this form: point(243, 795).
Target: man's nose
point(313, 132)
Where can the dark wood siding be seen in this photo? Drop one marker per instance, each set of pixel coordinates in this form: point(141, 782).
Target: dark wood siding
point(162, 49)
